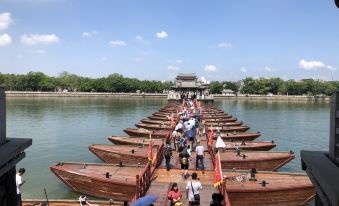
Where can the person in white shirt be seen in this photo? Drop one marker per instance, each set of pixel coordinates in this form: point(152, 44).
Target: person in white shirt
point(19, 183)
point(199, 149)
point(179, 127)
point(192, 190)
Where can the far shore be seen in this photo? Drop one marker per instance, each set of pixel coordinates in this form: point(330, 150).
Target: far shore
point(161, 95)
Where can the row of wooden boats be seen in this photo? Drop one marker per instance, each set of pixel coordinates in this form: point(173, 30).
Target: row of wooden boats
point(128, 171)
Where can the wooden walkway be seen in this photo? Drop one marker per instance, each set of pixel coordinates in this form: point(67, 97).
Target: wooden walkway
point(163, 180)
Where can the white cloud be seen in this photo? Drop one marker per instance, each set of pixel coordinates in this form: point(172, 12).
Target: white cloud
point(117, 43)
point(141, 40)
point(5, 20)
point(103, 59)
point(5, 40)
point(33, 39)
point(225, 45)
point(314, 65)
point(243, 70)
point(89, 33)
point(210, 68)
point(174, 68)
point(203, 79)
point(162, 34)
point(179, 61)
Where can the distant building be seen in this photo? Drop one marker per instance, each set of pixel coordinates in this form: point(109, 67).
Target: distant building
point(188, 86)
point(228, 92)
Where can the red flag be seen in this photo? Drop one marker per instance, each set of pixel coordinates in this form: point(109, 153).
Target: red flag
point(218, 171)
point(211, 136)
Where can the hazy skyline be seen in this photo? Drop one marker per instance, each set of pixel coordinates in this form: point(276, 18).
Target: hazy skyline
point(218, 40)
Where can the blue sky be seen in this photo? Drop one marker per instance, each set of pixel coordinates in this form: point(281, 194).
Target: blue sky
point(218, 40)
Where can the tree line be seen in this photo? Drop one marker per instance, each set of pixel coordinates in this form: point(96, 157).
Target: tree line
point(38, 81)
point(277, 86)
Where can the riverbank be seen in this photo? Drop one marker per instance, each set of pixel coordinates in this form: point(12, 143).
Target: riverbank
point(161, 95)
point(83, 94)
point(274, 97)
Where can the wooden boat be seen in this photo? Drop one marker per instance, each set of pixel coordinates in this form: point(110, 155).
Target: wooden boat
point(127, 154)
point(261, 160)
point(213, 112)
point(220, 120)
point(69, 202)
point(242, 128)
point(146, 133)
point(223, 116)
point(159, 118)
point(288, 189)
point(153, 126)
point(137, 141)
point(249, 145)
point(224, 124)
point(245, 145)
point(100, 180)
point(164, 115)
point(149, 121)
point(237, 136)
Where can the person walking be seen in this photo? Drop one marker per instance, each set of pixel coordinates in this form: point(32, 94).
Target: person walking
point(184, 161)
point(200, 150)
point(192, 190)
point(19, 183)
point(168, 155)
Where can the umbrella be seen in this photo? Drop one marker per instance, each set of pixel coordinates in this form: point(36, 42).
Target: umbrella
point(145, 201)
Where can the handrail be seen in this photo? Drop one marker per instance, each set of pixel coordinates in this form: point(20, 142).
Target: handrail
point(212, 153)
point(222, 190)
point(143, 181)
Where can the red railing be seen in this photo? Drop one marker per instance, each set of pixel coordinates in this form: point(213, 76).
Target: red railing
point(212, 153)
point(143, 181)
point(222, 190)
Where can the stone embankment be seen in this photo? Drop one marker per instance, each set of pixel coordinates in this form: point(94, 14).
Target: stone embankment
point(274, 97)
point(83, 94)
point(160, 95)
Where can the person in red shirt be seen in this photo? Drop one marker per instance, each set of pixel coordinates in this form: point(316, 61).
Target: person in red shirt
point(175, 195)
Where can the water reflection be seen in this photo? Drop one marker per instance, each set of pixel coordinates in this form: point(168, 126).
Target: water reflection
point(63, 128)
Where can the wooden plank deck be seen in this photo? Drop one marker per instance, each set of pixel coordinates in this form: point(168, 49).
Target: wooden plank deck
point(163, 179)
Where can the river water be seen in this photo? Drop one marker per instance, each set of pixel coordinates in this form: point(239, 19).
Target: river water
point(63, 128)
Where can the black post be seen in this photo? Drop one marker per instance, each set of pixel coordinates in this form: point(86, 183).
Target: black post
point(2, 116)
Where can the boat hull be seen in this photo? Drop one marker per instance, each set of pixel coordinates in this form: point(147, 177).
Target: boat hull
point(137, 141)
point(282, 189)
point(142, 133)
point(253, 146)
point(114, 154)
point(261, 160)
point(290, 197)
point(91, 184)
